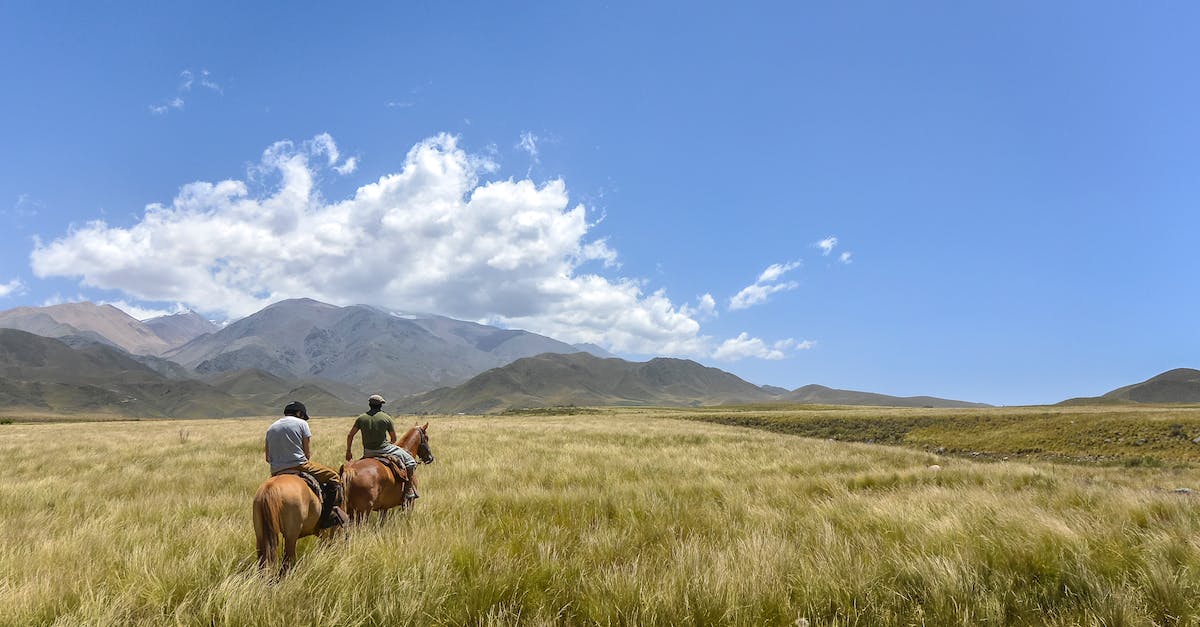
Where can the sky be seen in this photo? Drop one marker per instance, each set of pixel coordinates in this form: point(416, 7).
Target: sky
point(991, 201)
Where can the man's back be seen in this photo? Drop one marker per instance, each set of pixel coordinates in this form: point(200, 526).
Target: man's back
point(374, 426)
point(285, 442)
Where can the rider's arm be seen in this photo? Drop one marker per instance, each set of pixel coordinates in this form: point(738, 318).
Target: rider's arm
point(392, 435)
point(267, 451)
point(350, 442)
point(307, 450)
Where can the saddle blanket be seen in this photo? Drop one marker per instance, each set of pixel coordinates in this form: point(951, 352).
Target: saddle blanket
point(312, 482)
point(395, 464)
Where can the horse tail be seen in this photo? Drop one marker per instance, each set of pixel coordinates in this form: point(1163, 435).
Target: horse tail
point(346, 473)
point(266, 525)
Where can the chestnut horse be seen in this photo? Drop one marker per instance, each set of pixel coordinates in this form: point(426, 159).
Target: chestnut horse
point(284, 505)
point(372, 487)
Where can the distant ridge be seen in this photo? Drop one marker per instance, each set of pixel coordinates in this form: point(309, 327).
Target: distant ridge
point(103, 323)
point(821, 395)
point(1181, 385)
point(584, 379)
point(181, 328)
point(43, 374)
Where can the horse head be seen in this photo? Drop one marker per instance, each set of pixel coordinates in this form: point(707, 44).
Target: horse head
point(423, 450)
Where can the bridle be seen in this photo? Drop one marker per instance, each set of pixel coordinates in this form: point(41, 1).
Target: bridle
point(423, 451)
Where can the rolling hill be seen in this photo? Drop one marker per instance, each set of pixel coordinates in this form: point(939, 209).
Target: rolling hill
point(43, 374)
point(584, 379)
point(1181, 385)
point(821, 395)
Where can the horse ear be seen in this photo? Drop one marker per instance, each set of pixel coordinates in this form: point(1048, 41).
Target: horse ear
point(426, 427)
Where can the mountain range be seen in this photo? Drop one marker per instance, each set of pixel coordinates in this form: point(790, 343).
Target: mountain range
point(584, 379)
point(89, 357)
point(369, 348)
point(45, 375)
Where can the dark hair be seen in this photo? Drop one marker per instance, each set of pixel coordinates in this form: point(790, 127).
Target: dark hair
point(297, 409)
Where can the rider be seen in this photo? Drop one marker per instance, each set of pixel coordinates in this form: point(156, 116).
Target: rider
point(375, 425)
point(288, 450)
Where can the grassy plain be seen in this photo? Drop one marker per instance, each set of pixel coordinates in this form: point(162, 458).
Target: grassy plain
point(614, 518)
point(1115, 435)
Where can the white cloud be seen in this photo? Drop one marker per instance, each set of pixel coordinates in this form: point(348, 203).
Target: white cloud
point(766, 284)
point(14, 286)
point(207, 82)
point(429, 237)
point(348, 166)
point(143, 313)
point(827, 245)
point(529, 144)
point(705, 308)
point(845, 257)
point(186, 79)
point(744, 346)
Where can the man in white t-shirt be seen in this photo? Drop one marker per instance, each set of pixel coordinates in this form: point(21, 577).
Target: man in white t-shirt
point(288, 448)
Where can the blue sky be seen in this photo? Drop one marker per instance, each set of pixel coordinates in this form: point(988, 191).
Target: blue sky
point(1015, 183)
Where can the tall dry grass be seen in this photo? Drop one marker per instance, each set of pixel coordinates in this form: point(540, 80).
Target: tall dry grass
point(624, 519)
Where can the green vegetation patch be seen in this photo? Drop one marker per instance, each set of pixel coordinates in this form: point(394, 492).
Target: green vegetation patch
point(1131, 436)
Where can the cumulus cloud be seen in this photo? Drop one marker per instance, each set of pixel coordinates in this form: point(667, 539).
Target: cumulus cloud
point(12, 287)
point(827, 245)
point(431, 236)
point(766, 284)
point(704, 309)
point(744, 346)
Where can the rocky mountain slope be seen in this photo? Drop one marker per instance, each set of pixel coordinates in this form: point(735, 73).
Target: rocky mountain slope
point(181, 328)
point(363, 346)
point(101, 323)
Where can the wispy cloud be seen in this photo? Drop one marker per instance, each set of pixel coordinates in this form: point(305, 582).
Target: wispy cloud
point(528, 143)
point(845, 257)
point(143, 313)
point(744, 346)
point(767, 284)
point(14, 286)
point(187, 79)
point(827, 245)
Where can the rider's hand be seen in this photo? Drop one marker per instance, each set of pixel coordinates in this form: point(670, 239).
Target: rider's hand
point(349, 455)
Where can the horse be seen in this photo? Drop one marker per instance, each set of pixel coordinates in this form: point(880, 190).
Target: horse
point(284, 505)
point(371, 486)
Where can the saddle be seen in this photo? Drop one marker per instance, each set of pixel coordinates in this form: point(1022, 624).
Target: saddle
point(394, 464)
point(327, 496)
point(312, 482)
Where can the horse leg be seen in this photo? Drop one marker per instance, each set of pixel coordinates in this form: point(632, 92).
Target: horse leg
point(382, 516)
point(289, 554)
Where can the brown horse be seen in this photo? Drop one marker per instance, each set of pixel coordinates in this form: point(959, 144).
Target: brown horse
point(284, 505)
point(372, 487)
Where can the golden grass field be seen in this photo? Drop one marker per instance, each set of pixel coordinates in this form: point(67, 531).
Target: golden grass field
point(612, 518)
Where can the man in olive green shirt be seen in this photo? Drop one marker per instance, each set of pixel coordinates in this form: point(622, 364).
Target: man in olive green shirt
point(379, 438)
